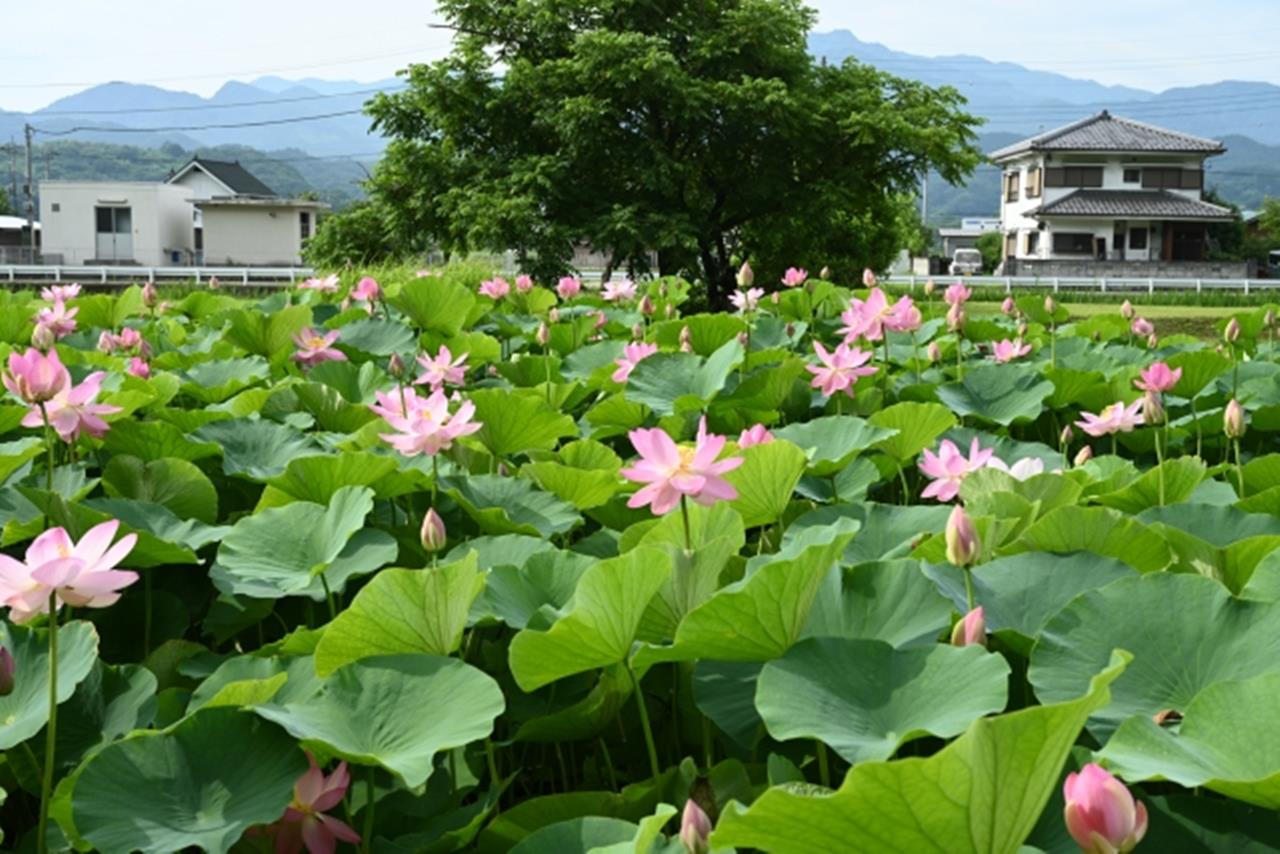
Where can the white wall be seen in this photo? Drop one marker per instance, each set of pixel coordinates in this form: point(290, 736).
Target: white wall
point(256, 234)
point(161, 219)
point(200, 186)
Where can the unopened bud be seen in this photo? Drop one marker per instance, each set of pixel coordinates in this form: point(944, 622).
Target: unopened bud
point(1083, 456)
point(825, 274)
point(670, 311)
point(434, 535)
point(647, 308)
point(686, 338)
point(744, 339)
point(1049, 305)
point(553, 316)
point(543, 335)
point(776, 297)
point(1022, 329)
point(1066, 436)
point(1126, 310)
point(868, 278)
point(395, 365)
point(1232, 333)
point(962, 538)
point(1233, 419)
point(42, 337)
point(933, 351)
point(149, 295)
point(955, 318)
point(695, 829)
point(746, 276)
point(663, 290)
point(929, 287)
point(1152, 341)
point(637, 332)
point(970, 629)
point(1007, 307)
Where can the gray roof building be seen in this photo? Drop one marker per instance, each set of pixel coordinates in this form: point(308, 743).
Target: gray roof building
point(1131, 204)
point(1107, 133)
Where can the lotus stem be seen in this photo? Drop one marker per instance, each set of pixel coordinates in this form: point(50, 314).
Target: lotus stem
point(688, 533)
point(366, 842)
point(824, 767)
point(1159, 469)
point(51, 730)
point(968, 587)
point(649, 743)
point(1239, 468)
point(328, 595)
point(49, 450)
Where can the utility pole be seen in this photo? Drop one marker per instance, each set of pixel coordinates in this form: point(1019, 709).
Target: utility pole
point(28, 131)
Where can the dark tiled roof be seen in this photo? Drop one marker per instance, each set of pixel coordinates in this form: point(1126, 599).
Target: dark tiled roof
point(1105, 132)
point(241, 181)
point(1132, 204)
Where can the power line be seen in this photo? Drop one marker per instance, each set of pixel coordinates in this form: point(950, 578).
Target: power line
point(198, 107)
point(262, 123)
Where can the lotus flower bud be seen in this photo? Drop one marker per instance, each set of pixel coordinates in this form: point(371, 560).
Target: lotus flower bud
point(776, 297)
point(1096, 336)
point(744, 339)
point(42, 337)
point(746, 276)
point(1233, 419)
point(663, 290)
point(1152, 409)
point(1269, 319)
point(1126, 310)
point(1066, 436)
point(553, 316)
point(695, 829)
point(686, 339)
point(929, 287)
point(1141, 327)
point(970, 629)
point(962, 538)
point(543, 335)
point(106, 342)
point(524, 283)
point(503, 470)
point(395, 365)
point(637, 332)
point(1008, 307)
point(933, 351)
point(1049, 305)
point(1083, 456)
point(955, 318)
point(214, 284)
point(1022, 329)
point(600, 320)
point(647, 308)
point(1231, 334)
point(825, 274)
point(1152, 341)
point(790, 330)
point(670, 311)
point(1101, 815)
point(6, 672)
point(149, 295)
point(433, 533)
point(868, 278)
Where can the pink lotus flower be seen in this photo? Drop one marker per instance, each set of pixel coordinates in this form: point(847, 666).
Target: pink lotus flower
point(73, 410)
point(327, 285)
point(1101, 815)
point(1233, 419)
point(871, 317)
point(569, 287)
point(423, 425)
point(632, 355)
point(1116, 418)
point(1006, 350)
point(138, 367)
point(1022, 469)
point(746, 301)
point(695, 829)
point(949, 467)
point(305, 823)
point(433, 534)
point(57, 319)
point(794, 277)
point(34, 377)
point(620, 291)
point(1142, 327)
point(971, 629)
point(314, 348)
point(443, 370)
point(963, 545)
point(524, 284)
point(60, 293)
point(496, 288)
point(957, 294)
point(82, 575)
point(367, 290)
point(757, 434)
point(150, 296)
point(670, 471)
point(840, 369)
point(1158, 378)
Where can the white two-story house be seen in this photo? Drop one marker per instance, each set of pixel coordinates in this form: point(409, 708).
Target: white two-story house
point(1108, 196)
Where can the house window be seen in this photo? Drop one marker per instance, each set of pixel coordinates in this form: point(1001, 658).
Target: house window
point(1073, 176)
point(1137, 238)
point(1033, 242)
point(1010, 244)
point(1172, 179)
point(56, 207)
point(304, 222)
point(1011, 186)
point(1073, 243)
point(1033, 183)
point(1132, 176)
point(113, 220)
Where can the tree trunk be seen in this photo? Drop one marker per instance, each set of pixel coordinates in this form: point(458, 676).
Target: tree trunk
point(717, 276)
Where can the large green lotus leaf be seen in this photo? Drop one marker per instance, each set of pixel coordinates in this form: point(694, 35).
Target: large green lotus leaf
point(214, 382)
point(511, 505)
point(887, 531)
point(1087, 390)
point(1226, 743)
point(25, 710)
point(435, 304)
point(1181, 477)
point(150, 549)
point(614, 415)
point(1217, 541)
point(578, 709)
point(670, 383)
point(999, 393)
point(110, 703)
point(601, 624)
point(377, 337)
point(268, 334)
point(1199, 369)
point(1207, 825)
point(1186, 633)
point(531, 592)
point(158, 522)
point(284, 551)
point(1261, 473)
point(251, 680)
point(395, 711)
point(176, 484)
point(757, 618)
point(725, 691)
point(864, 698)
point(707, 332)
point(981, 794)
point(199, 784)
point(403, 610)
point(516, 422)
point(1221, 526)
point(331, 411)
point(830, 443)
point(318, 478)
point(601, 835)
point(918, 424)
point(257, 449)
point(766, 481)
point(760, 394)
point(583, 488)
point(891, 601)
point(356, 383)
point(155, 440)
point(14, 455)
point(1100, 530)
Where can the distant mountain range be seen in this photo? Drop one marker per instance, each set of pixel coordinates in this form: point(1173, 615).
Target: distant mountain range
point(1014, 100)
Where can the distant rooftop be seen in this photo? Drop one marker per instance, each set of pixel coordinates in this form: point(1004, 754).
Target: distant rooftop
point(1105, 132)
point(1135, 204)
point(235, 177)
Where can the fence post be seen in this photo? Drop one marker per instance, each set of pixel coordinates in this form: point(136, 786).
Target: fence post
point(151, 275)
point(1103, 283)
point(1151, 286)
point(1199, 285)
point(57, 274)
point(1246, 287)
point(244, 275)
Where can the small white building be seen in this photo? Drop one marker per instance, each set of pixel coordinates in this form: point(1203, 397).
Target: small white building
point(1107, 196)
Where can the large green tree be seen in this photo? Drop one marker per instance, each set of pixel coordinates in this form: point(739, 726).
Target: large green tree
point(699, 130)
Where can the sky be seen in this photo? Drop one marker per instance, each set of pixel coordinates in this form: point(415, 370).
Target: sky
point(64, 46)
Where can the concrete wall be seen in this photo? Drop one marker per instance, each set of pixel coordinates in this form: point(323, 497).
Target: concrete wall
point(1127, 269)
point(201, 186)
point(161, 220)
point(259, 235)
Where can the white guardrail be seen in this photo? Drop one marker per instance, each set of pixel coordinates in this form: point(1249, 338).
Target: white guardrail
point(1089, 283)
point(126, 275)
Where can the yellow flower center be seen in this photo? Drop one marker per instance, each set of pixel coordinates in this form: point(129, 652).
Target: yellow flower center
point(687, 454)
point(315, 342)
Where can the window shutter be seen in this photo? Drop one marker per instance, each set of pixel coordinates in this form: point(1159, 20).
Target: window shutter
point(1192, 179)
point(1055, 176)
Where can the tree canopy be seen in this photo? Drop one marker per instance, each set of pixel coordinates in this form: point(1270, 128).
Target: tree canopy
point(701, 132)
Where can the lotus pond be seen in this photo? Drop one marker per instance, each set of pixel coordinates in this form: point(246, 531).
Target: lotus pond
point(441, 562)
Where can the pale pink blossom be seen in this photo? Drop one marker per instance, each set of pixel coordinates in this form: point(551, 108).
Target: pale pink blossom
point(1020, 470)
point(80, 574)
point(632, 355)
point(496, 288)
point(870, 318)
point(1116, 418)
point(60, 293)
point(670, 471)
point(327, 285)
point(746, 301)
point(524, 284)
point(1101, 815)
point(569, 287)
point(34, 377)
point(756, 434)
point(1006, 350)
point(443, 370)
point(794, 277)
point(620, 291)
point(305, 822)
point(74, 410)
point(1008, 307)
point(1158, 378)
point(948, 468)
point(367, 290)
point(957, 294)
point(314, 348)
point(57, 319)
point(423, 425)
point(138, 367)
point(840, 369)
point(1142, 327)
